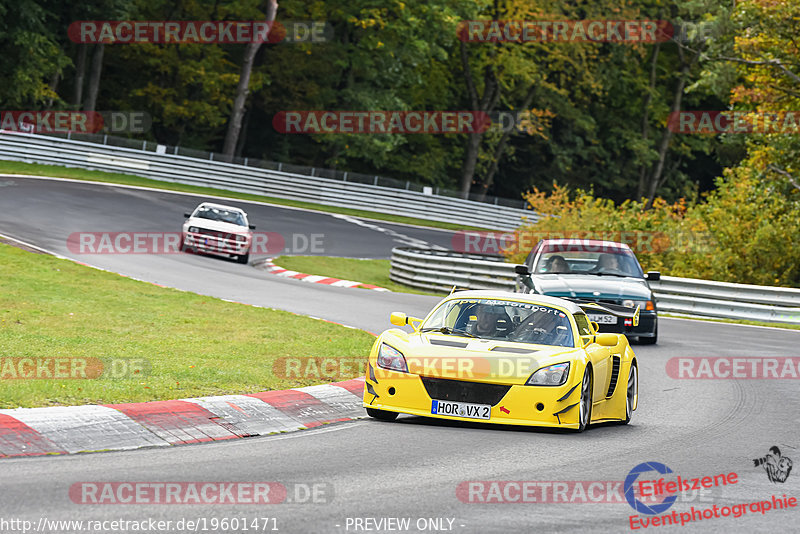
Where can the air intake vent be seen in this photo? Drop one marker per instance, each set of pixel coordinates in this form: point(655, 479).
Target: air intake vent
point(614, 375)
point(513, 350)
point(446, 343)
point(457, 390)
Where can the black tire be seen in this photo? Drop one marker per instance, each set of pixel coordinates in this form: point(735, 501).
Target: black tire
point(382, 415)
point(585, 404)
point(184, 248)
point(631, 394)
point(243, 258)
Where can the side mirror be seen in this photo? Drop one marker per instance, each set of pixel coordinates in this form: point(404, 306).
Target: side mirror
point(252, 227)
point(653, 276)
point(522, 270)
point(398, 319)
point(607, 340)
point(187, 215)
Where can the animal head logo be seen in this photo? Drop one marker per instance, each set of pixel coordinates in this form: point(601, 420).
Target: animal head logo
point(777, 467)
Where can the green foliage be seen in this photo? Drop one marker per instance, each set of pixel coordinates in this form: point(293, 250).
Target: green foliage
point(741, 233)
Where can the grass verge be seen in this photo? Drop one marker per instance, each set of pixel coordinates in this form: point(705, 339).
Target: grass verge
point(375, 272)
point(193, 345)
point(13, 167)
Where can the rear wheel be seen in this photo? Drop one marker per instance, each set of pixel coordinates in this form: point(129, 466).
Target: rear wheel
point(381, 414)
point(585, 405)
point(631, 394)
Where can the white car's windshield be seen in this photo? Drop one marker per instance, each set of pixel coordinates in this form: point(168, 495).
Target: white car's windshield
point(219, 214)
point(505, 320)
point(612, 262)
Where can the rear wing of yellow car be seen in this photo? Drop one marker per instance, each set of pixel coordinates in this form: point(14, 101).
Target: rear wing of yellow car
point(611, 309)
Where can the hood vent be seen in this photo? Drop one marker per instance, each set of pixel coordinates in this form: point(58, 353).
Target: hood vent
point(513, 350)
point(446, 343)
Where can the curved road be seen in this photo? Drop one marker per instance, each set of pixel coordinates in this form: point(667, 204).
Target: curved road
point(410, 468)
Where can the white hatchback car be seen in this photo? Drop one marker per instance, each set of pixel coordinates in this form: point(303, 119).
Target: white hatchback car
point(218, 229)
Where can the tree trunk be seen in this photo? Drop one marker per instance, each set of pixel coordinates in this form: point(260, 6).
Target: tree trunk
point(80, 74)
point(646, 119)
point(235, 121)
point(491, 94)
point(94, 78)
point(243, 135)
point(53, 87)
point(656, 179)
point(501, 146)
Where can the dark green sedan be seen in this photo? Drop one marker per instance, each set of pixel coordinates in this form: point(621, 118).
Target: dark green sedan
point(598, 271)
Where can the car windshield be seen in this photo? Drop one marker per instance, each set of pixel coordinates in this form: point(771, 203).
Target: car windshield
point(220, 214)
point(601, 261)
point(505, 320)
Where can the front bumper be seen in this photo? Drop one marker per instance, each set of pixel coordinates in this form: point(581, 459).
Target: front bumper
point(646, 327)
point(215, 244)
point(547, 406)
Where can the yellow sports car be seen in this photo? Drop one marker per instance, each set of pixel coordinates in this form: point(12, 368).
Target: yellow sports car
point(506, 358)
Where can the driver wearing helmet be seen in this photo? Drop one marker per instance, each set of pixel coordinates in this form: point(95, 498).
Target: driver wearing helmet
point(491, 321)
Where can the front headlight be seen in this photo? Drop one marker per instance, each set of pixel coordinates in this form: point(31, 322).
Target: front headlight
point(643, 304)
point(193, 229)
point(552, 375)
point(391, 358)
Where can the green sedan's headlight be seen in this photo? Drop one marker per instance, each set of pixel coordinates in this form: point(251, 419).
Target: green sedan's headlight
point(552, 375)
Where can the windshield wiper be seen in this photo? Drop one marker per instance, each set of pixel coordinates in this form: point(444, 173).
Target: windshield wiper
point(611, 274)
point(448, 331)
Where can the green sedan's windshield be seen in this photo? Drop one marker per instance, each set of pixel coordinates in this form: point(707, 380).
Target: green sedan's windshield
point(504, 320)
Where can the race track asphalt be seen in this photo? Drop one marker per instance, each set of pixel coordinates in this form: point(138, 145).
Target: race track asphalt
point(410, 468)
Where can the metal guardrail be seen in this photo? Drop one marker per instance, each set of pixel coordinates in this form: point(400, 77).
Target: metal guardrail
point(159, 165)
point(440, 271)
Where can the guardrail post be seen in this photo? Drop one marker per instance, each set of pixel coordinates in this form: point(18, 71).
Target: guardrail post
point(376, 181)
point(345, 176)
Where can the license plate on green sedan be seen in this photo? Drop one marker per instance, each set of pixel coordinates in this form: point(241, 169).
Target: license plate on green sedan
point(461, 409)
point(602, 318)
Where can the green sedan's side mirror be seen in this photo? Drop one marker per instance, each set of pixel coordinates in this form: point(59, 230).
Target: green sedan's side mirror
point(398, 319)
point(607, 340)
point(522, 270)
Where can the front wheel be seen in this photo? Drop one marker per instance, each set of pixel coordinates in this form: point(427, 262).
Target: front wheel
point(585, 406)
point(382, 415)
point(243, 258)
point(631, 394)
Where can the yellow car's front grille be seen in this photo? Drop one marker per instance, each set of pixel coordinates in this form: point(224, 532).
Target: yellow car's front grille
point(460, 391)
